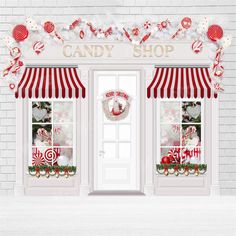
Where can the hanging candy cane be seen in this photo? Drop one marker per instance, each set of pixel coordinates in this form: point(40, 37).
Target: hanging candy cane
point(15, 64)
point(163, 25)
point(217, 68)
point(185, 24)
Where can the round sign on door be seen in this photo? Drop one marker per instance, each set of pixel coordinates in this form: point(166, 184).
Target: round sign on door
point(116, 130)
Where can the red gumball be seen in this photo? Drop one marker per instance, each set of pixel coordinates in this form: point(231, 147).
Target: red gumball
point(20, 33)
point(49, 27)
point(165, 160)
point(186, 23)
point(215, 32)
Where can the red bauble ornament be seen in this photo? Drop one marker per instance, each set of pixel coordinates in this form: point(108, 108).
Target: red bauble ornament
point(186, 23)
point(135, 31)
point(38, 47)
point(20, 33)
point(165, 160)
point(49, 27)
point(81, 34)
point(215, 32)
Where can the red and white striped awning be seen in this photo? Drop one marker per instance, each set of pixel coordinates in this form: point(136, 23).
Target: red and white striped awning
point(50, 82)
point(181, 82)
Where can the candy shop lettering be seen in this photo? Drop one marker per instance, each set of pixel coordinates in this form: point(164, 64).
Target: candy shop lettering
point(153, 50)
point(87, 51)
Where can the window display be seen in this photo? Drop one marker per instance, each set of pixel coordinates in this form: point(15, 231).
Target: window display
point(52, 134)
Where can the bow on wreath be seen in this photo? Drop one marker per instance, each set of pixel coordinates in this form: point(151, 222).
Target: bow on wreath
point(16, 63)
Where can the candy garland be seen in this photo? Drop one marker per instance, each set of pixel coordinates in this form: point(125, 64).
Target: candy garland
point(201, 32)
point(47, 171)
point(185, 169)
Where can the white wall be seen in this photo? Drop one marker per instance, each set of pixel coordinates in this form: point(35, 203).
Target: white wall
point(14, 11)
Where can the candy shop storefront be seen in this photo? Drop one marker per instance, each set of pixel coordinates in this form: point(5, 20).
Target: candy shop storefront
point(131, 109)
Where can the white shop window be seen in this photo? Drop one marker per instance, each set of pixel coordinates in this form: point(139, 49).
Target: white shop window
point(180, 131)
point(52, 132)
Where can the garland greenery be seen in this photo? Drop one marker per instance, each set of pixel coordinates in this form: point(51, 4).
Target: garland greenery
point(47, 171)
point(177, 169)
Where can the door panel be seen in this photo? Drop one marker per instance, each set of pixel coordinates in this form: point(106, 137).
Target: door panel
point(116, 143)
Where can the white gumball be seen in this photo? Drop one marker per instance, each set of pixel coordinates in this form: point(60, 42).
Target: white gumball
point(225, 42)
point(62, 160)
point(8, 41)
point(203, 25)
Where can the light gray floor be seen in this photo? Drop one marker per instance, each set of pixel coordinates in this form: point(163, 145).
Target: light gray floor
point(117, 216)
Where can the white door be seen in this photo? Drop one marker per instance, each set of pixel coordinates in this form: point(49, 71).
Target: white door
point(116, 143)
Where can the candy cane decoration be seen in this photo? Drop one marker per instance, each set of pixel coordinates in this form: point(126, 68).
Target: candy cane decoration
point(189, 131)
point(45, 135)
point(15, 64)
point(175, 153)
point(217, 68)
point(51, 155)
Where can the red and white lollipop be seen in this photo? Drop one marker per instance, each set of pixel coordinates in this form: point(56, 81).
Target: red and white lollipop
point(37, 158)
point(185, 24)
point(51, 155)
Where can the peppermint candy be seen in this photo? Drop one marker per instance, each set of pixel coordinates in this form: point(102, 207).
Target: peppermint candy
point(197, 46)
point(38, 158)
point(147, 25)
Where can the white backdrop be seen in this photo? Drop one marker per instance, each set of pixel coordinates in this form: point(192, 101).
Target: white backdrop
point(14, 11)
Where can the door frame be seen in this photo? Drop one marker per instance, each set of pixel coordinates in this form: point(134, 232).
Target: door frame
point(108, 67)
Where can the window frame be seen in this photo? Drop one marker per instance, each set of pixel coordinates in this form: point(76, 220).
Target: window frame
point(30, 123)
point(157, 126)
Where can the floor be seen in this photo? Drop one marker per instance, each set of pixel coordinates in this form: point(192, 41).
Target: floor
point(117, 216)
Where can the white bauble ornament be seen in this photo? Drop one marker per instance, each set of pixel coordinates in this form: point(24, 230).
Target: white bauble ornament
point(62, 160)
point(194, 160)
